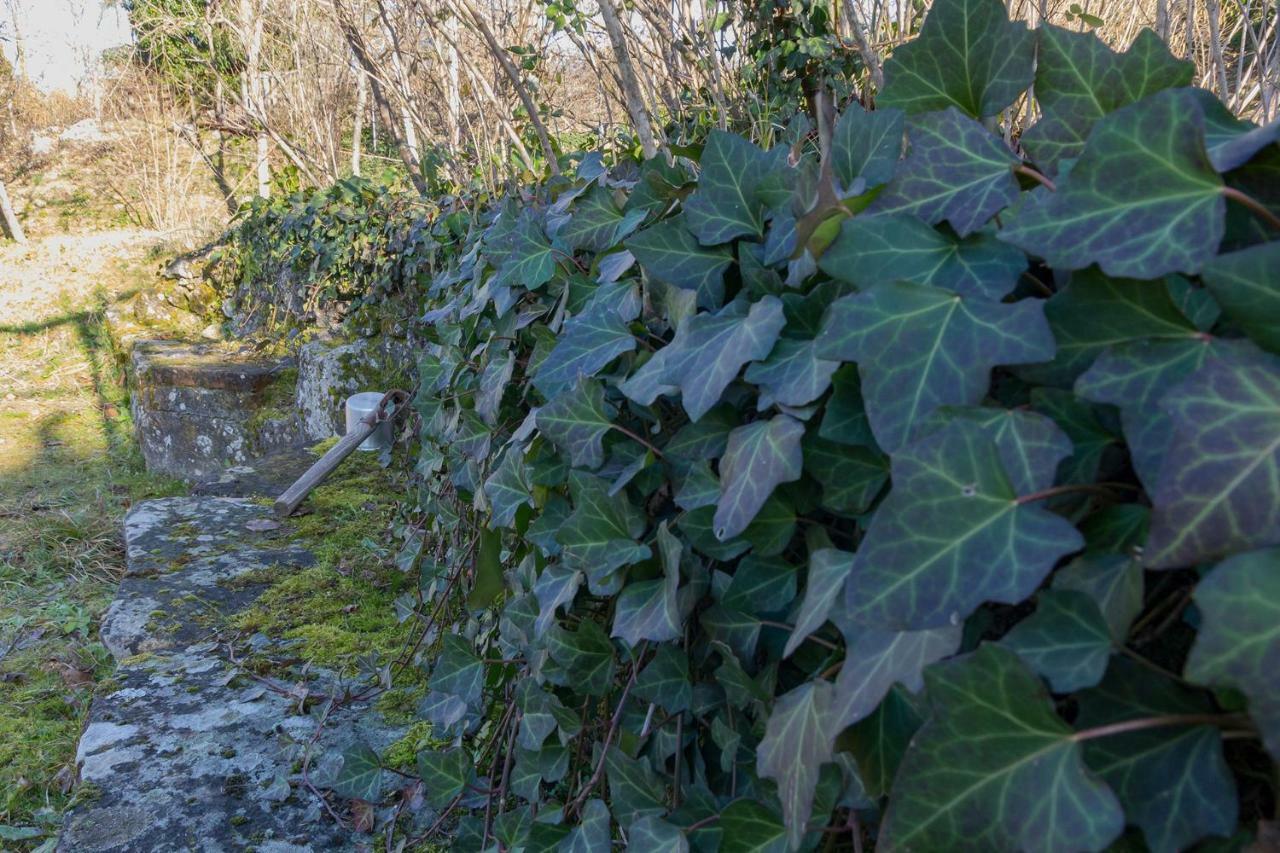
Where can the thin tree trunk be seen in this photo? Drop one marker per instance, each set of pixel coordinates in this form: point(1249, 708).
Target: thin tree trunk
point(357, 131)
point(10, 219)
point(513, 74)
point(636, 107)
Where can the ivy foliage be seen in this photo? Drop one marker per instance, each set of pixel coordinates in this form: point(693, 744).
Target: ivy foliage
point(925, 492)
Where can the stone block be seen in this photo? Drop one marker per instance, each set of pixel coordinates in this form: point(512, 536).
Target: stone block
point(329, 372)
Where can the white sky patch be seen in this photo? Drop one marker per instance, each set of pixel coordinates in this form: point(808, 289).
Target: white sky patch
point(62, 38)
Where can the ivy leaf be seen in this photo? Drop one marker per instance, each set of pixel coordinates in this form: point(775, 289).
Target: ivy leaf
point(956, 170)
point(996, 768)
point(508, 488)
point(791, 376)
point(445, 774)
point(828, 568)
point(749, 827)
point(1113, 581)
point(458, 671)
point(591, 833)
point(725, 205)
point(669, 253)
point(761, 585)
point(529, 262)
point(589, 342)
point(709, 350)
point(1095, 312)
point(867, 145)
point(557, 585)
point(597, 222)
point(634, 789)
point(953, 533)
point(1216, 490)
point(1174, 783)
point(1079, 80)
point(879, 741)
point(665, 680)
point(576, 421)
point(360, 777)
point(653, 835)
point(1136, 375)
point(968, 55)
point(646, 610)
point(1239, 640)
point(1030, 445)
point(797, 741)
point(872, 250)
point(760, 456)
point(919, 348)
point(1244, 284)
point(600, 535)
point(1066, 640)
point(876, 660)
point(845, 419)
point(851, 477)
point(586, 654)
point(1167, 215)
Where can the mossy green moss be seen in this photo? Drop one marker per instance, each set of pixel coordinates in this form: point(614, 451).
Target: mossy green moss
point(342, 607)
point(403, 754)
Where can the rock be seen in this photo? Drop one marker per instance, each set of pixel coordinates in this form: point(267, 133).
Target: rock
point(198, 408)
point(42, 144)
point(267, 477)
point(328, 373)
point(86, 132)
point(181, 751)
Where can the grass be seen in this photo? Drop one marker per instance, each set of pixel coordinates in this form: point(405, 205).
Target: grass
point(68, 472)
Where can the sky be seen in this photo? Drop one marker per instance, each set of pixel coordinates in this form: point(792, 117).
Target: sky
point(61, 37)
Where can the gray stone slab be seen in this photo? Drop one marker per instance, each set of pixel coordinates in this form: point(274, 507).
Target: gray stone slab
point(182, 752)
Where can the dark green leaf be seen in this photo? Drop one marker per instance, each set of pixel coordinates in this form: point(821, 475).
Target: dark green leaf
point(876, 660)
point(749, 827)
point(1245, 284)
point(1066, 640)
point(1030, 445)
point(486, 583)
point(953, 533)
point(530, 262)
point(874, 250)
point(866, 145)
point(707, 353)
point(995, 768)
point(669, 253)
point(761, 585)
point(665, 680)
point(1173, 782)
point(508, 487)
point(590, 341)
point(845, 419)
point(586, 654)
point(968, 55)
point(930, 348)
point(596, 221)
point(797, 741)
point(725, 204)
point(646, 610)
point(1166, 215)
point(1079, 80)
point(634, 789)
point(576, 421)
point(1216, 493)
point(1239, 643)
point(851, 477)
point(760, 456)
point(458, 670)
point(592, 832)
point(956, 171)
point(600, 536)
point(828, 568)
point(445, 774)
point(360, 777)
point(651, 835)
point(1113, 581)
point(879, 741)
point(556, 586)
point(791, 376)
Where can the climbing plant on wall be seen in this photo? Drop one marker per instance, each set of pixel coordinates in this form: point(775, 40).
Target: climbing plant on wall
point(921, 492)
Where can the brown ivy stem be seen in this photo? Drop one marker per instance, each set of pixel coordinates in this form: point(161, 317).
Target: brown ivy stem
point(1256, 207)
point(576, 805)
point(1036, 175)
point(631, 435)
point(702, 824)
point(1151, 665)
point(1126, 726)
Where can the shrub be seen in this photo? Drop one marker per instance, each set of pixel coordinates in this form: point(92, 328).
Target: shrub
point(931, 499)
